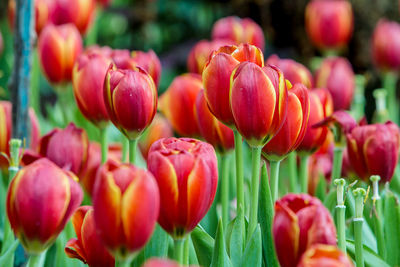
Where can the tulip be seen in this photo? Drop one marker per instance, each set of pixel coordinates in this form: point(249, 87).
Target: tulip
point(336, 74)
point(324, 255)
point(40, 200)
point(87, 247)
point(319, 166)
point(59, 47)
point(329, 23)
point(178, 104)
point(78, 12)
point(126, 206)
point(293, 71)
point(120, 56)
point(159, 128)
point(154, 262)
point(300, 221)
point(239, 31)
point(105, 51)
point(373, 150)
point(187, 175)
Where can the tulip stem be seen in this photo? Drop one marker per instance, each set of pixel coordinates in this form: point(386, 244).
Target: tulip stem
point(125, 148)
point(33, 261)
point(341, 212)
point(255, 182)
point(274, 178)
point(389, 83)
point(377, 215)
point(132, 150)
point(225, 188)
point(62, 98)
point(239, 170)
point(293, 172)
point(358, 220)
point(122, 263)
point(304, 172)
point(104, 145)
point(179, 245)
point(337, 162)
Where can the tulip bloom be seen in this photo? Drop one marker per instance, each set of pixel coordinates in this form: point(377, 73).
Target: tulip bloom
point(386, 45)
point(217, 76)
point(329, 23)
point(300, 221)
point(187, 174)
point(293, 129)
point(293, 71)
point(213, 131)
point(373, 150)
point(324, 255)
point(336, 74)
point(131, 100)
point(59, 47)
point(126, 206)
point(178, 104)
point(239, 31)
point(40, 200)
point(87, 247)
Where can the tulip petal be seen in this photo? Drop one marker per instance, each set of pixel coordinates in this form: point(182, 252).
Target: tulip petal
point(74, 250)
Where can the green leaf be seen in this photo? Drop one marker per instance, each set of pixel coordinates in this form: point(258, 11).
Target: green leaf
point(236, 239)
point(253, 253)
point(158, 245)
point(321, 187)
point(330, 200)
point(392, 229)
point(371, 259)
point(192, 253)
point(203, 244)
point(7, 259)
point(220, 257)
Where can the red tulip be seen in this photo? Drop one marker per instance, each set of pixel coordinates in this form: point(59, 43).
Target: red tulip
point(187, 175)
point(324, 255)
point(131, 100)
point(329, 23)
point(239, 31)
point(178, 104)
point(213, 131)
point(59, 47)
point(342, 120)
point(126, 206)
point(159, 128)
point(293, 71)
point(104, 51)
point(78, 12)
point(154, 262)
point(373, 150)
point(293, 129)
point(40, 200)
point(319, 166)
point(300, 221)
point(386, 45)
point(217, 75)
point(336, 74)
point(87, 247)
point(258, 99)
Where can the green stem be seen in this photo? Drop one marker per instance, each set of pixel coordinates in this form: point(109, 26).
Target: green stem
point(125, 148)
point(389, 83)
point(293, 172)
point(255, 182)
point(104, 145)
point(274, 178)
point(225, 188)
point(239, 170)
point(341, 226)
point(304, 173)
point(359, 99)
point(337, 162)
point(379, 229)
point(186, 251)
point(33, 261)
point(132, 151)
point(178, 250)
point(122, 263)
point(358, 241)
point(62, 97)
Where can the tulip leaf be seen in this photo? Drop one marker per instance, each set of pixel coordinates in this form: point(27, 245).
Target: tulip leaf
point(253, 253)
point(192, 253)
point(371, 259)
point(392, 229)
point(330, 200)
point(158, 244)
point(321, 187)
point(7, 258)
point(236, 239)
point(203, 244)
point(220, 257)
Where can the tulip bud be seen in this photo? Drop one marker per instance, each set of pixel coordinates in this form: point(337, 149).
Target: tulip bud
point(239, 31)
point(78, 12)
point(386, 45)
point(126, 206)
point(37, 218)
point(131, 100)
point(329, 23)
point(187, 175)
point(300, 221)
point(178, 104)
point(258, 99)
point(159, 128)
point(373, 150)
point(294, 127)
point(59, 47)
point(88, 82)
point(217, 75)
point(294, 72)
point(336, 74)
point(324, 255)
point(87, 247)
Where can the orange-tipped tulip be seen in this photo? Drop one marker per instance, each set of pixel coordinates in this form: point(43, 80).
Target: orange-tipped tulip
point(212, 130)
point(88, 83)
point(178, 104)
point(87, 247)
point(300, 221)
point(258, 99)
point(126, 206)
point(217, 75)
point(40, 200)
point(239, 31)
point(336, 74)
point(324, 255)
point(329, 23)
point(293, 129)
point(59, 47)
point(187, 175)
point(131, 100)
